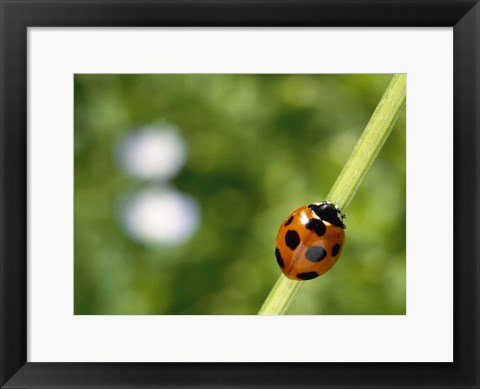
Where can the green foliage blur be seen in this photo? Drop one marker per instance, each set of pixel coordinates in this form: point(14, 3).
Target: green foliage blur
point(258, 147)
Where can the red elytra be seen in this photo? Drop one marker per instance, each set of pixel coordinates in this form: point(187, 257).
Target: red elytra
point(310, 241)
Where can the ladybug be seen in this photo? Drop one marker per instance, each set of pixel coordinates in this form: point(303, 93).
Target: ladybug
point(310, 241)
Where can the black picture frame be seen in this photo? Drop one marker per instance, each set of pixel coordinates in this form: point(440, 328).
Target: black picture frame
point(18, 15)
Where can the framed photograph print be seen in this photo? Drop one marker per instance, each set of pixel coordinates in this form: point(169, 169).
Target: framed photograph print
point(247, 194)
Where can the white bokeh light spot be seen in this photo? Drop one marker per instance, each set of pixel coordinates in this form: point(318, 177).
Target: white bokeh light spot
point(155, 152)
point(161, 216)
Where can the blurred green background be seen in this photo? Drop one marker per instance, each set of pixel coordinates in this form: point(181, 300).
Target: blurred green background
point(181, 183)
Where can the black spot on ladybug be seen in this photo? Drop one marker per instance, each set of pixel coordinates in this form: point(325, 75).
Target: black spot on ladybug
point(335, 249)
point(327, 212)
point(288, 221)
point(316, 225)
point(308, 275)
point(292, 239)
point(279, 258)
point(315, 253)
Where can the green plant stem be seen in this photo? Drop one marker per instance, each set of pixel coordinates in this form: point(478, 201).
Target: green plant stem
point(363, 155)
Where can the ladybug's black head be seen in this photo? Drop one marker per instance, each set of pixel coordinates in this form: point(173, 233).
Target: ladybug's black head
point(328, 212)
